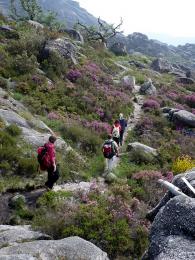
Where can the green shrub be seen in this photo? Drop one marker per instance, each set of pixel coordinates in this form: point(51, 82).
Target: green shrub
point(52, 199)
point(3, 83)
point(5, 63)
point(69, 163)
point(138, 193)
point(83, 137)
point(13, 130)
point(95, 224)
point(139, 156)
point(17, 96)
point(141, 240)
point(27, 166)
point(55, 66)
point(23, 63)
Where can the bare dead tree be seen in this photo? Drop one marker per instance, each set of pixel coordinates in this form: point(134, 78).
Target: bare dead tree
point(103, 32)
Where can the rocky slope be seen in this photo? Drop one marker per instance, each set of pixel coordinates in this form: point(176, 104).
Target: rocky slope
point(68, 11)
point(21, 243)
point(140, 43)
point(172, 232)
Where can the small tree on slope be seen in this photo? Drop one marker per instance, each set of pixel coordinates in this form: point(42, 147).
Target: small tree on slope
point(103, 32)
point(30, 7)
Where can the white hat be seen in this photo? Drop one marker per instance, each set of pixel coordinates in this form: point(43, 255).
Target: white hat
point(121, 115)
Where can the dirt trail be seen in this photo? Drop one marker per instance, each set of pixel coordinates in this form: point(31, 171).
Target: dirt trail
point(132, 121)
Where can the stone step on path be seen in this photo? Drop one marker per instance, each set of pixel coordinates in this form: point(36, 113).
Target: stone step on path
point(83, 186)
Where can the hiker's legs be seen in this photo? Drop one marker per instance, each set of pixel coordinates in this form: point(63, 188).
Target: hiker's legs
point(121, 137)
point(108, 165)
point(109, 161)
point(52, 177)
point(116, 139)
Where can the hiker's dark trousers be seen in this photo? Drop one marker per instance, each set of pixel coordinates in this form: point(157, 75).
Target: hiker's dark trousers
point(121, 136)
point(116, 139)
point(52, 177)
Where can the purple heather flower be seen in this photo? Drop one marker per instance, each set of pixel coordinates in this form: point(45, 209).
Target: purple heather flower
point(53, 116)
point(73, 75)
point(150, 103)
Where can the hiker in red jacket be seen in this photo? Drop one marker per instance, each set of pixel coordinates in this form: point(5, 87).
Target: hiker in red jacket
point(47, 161)
point(53, 173)
point(116, 129)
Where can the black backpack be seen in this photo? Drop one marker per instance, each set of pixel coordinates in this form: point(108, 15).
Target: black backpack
point(108, 149)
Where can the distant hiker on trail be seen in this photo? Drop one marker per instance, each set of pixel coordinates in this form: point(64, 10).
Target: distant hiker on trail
point(123, 124)
point(110, 149)
point(116, 129)
point(47, 161)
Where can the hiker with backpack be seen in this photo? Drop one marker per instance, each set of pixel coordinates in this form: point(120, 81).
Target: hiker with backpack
point(110, 149)
point(47, 161)
point(123, 124)
point(116, 129)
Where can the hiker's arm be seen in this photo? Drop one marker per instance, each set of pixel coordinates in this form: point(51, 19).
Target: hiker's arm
point(53, 158)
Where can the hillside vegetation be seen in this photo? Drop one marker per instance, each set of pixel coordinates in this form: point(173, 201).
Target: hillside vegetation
point(79, 101)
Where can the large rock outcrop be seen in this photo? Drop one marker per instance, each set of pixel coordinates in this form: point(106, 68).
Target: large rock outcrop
point(161, 65)
point(74, 34)
point(172, 232)
point(184, 117)
point(173, 229)
point(148, 88)
point(63, 47)
point(142, 147)
point(34, 131)
point(178, 116)
point(186, 80)
point(119, 48)
point(19, 242)
point(9, 32)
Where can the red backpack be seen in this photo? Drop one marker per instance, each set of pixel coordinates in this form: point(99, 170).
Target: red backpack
point(43, 158)
point(108, 150)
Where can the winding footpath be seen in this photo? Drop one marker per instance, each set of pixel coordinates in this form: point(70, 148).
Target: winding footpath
point(132, 121)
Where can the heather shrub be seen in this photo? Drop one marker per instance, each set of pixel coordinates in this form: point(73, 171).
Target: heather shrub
point(111, 221)
point(148, 190)
point(172, 95)
point(53, 116)
point(144, 125)
point(101, 128)
point(151, 104)
point(182, 164)
point(190, 100)
point(74, 75)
